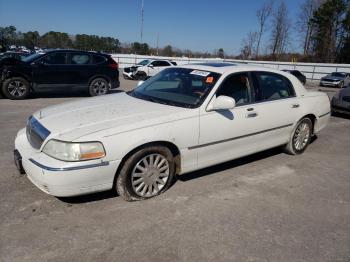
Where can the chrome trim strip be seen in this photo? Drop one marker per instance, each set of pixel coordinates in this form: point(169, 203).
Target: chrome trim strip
point(325, 114)
point(238, 137)
point(67, 168)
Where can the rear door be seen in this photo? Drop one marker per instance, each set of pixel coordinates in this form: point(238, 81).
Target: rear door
point(276, 108)
point(80, 68)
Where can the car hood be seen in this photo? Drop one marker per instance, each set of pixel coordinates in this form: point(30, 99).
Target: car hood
point(120, 112)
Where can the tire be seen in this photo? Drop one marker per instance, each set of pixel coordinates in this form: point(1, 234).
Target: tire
point(98, 86)
point(300, 138)
point(132, 183)
point(341, 85)
point(16, 88)
point(142, 76)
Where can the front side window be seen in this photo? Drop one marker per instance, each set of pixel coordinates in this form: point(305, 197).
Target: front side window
point(272, 86)
point(181, 87)
point(236, 86)
point(54, 59)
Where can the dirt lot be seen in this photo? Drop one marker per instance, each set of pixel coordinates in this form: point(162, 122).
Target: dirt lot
point(266, 207)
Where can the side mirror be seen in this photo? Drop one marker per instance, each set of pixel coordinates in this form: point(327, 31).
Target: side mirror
point(140, 83)
point(150, 65)
point(221, 103)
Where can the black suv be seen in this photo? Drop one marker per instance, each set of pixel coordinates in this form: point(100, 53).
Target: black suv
point(96, 72)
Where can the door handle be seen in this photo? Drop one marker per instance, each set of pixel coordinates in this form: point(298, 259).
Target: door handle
point(295, 105)
point(254, 114)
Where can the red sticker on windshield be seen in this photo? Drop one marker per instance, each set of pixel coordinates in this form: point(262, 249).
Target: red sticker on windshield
point(209, 80)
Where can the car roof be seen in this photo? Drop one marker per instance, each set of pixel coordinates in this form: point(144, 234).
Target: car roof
point(223, 68)
point(74, 51)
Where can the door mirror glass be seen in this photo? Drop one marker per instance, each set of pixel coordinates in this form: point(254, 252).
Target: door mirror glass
point(222, 103)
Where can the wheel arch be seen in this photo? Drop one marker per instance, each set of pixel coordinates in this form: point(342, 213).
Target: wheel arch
point(171, 146)
point(100, 76)
point(313, 119)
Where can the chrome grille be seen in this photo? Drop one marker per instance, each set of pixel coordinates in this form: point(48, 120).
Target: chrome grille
point(36, 132)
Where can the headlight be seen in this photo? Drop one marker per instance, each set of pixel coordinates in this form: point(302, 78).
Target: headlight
point(67, 151)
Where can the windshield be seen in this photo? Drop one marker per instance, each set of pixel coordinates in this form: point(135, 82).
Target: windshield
point(31, 58)
point(181, 87)
point(338, 74)
point(143, 62)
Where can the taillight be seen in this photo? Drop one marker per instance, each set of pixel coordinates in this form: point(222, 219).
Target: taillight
point(113, 65)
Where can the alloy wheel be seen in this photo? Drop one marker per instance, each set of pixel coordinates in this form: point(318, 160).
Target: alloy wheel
point(17, 88)
point(100, 88)
point(301, 136)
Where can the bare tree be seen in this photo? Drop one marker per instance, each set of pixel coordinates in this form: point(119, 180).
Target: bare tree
point(303, 25)
point(280, 29)
point(249, 45)
point(263, 15)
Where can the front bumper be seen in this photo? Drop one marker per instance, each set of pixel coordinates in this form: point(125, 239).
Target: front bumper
point(333, 84)
point(61, 178)
point(128, 75)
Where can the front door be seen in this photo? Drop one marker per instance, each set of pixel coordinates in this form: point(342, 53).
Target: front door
point(50, 71)
point(223, 134)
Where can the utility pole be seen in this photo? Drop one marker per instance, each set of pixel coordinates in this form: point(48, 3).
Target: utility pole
point(158, 43)
point(142, 20)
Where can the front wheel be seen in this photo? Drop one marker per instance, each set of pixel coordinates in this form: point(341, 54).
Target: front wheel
point(147, 173)
point(98, 87)
point(301, 137)
point(16, 88)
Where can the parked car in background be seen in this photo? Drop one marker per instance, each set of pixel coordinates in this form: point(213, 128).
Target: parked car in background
point(61, 69)
point(336, 79)
point(15, 55)
point(181, 120)
point(297, 74)
point(341, 101)
point(146, 68)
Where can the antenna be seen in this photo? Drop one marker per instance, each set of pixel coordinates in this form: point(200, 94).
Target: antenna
point(142, 19)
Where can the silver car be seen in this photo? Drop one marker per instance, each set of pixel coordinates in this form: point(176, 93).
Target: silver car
point(341, 101)
point(336, 79)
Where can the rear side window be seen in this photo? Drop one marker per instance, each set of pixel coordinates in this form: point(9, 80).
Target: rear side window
point(79, 59)
point(97, 59)
point(55, 59)
point(272, 86)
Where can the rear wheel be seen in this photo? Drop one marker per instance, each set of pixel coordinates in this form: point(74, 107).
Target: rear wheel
point(301, 137)
point(16, 88)
point(98, 87)
point(147, 173)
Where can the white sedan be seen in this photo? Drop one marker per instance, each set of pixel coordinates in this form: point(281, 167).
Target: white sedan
point(183, 119)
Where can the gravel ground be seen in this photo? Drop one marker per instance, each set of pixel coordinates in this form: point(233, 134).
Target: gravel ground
point(265, 207)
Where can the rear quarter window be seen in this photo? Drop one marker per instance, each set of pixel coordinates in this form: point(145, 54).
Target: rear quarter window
point(97, 59)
